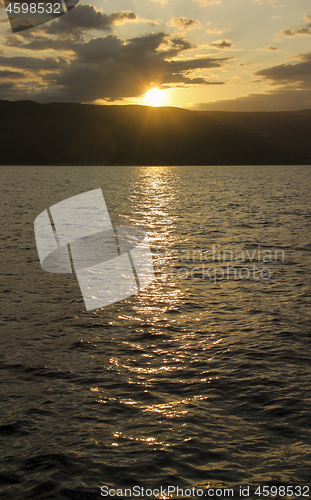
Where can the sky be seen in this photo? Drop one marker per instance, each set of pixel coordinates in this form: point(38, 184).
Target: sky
point(231, 55)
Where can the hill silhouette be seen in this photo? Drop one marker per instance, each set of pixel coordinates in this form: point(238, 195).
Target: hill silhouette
point(80, 134)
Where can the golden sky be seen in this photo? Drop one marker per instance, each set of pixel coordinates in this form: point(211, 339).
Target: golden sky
point(247, 55)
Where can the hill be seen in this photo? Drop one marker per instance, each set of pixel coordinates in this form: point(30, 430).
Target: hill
point(80, 134)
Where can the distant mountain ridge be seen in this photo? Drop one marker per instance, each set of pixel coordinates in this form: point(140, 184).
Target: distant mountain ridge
point(83, 134)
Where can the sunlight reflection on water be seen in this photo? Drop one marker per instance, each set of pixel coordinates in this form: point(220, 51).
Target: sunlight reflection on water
point(189, 382)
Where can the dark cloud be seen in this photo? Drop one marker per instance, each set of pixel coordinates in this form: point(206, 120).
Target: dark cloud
point(41, 43)
point(299, 31)
point(122, 17)
point(11, 75)
point(288, 74)
point(223, 43)
point(245, 64)
point(139, 53)
point(142, 54)
point(110, 68)
point(275, 100)
point(293, 92)
point(73, 26)
point(65, 32)
point(304, 57)
point(87, 17)
point(270, 47)
point(197, 63)
point(304, 30)
point(7, 87)
point(33, 64)
point(179, 44)
point(184, 22)
point(182, 79)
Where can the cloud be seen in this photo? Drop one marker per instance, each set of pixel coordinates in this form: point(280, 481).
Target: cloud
point(33, 64)
point(223, 43)
point(245, 64)
point(8, 87)
point(210, 2)
point(192, 64)
point(26, 83)
point(305, 30)
point(270, 47)
point(293, 90)
point(3, 16)
point(11, 75)
point(274, 100)
point(163, 3)
point(111, 68)
point(261, 2)
point(183, 23)
point(215, 30)
point(87, 17)
point(41, 42)
point(289, 74)
point(65, 32)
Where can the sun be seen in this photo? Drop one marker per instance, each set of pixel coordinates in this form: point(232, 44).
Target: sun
point(155, 97)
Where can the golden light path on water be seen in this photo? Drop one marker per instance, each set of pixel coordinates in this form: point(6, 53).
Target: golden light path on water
point(155, 196)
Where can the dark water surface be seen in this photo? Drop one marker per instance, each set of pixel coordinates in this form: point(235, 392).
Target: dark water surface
point(191, 382)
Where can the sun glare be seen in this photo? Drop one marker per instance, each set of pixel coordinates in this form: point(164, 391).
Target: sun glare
point(155, 97)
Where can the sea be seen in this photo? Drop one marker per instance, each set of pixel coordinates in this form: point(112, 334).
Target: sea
point(201, 381)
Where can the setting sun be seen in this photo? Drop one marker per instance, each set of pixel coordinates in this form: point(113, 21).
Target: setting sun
point(155, 97)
